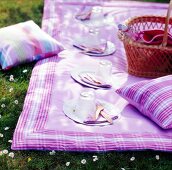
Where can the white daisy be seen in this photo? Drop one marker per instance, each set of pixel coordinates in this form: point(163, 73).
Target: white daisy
point(25, 71)
point(1, 135)
point(11, 154)
point(83, 161)
point(132, 158)
point(52, 152)
point(95, 158)
point(11, 78)
point(5, 151)
point(3, 105)
point(10, 141)
point(16, 101)
point(6, 128)
point(67, 163)
point(11, 89)
point(157, 157)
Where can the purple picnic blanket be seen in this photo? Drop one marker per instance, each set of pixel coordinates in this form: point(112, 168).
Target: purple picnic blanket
point(42, 124)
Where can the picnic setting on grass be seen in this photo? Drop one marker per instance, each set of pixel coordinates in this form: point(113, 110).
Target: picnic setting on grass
point(100, 81)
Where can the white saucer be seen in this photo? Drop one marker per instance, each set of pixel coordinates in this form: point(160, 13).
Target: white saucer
point(75, 75)
point(111, 48)
point(69, 111)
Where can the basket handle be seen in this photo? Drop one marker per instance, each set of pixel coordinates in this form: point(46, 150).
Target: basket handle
point(165, 37)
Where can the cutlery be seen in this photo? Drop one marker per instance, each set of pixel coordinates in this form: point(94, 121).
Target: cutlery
point(94, 50)
point(99, 122)
point(93, 78)
point(90, 81)
point(86, 50)
point(83, 16)
point(106, 116)
point(84, 13)
point(85, 80)
point(100, 110)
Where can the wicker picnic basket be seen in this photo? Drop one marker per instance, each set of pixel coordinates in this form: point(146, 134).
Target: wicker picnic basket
point(148, 60)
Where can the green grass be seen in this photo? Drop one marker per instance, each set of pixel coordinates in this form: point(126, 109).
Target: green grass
point(14, 11)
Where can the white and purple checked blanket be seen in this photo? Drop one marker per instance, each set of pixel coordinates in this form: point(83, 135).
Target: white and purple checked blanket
point(42, 124)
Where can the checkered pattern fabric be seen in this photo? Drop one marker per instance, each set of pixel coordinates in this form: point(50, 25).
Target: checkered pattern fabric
point(42, 124)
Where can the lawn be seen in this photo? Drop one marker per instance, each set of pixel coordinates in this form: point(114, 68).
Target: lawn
point(12, 94)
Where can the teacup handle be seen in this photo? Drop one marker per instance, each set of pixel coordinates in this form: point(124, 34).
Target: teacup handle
point(165, 37)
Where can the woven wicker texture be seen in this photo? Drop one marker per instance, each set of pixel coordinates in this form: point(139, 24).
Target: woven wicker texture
point(147, 60)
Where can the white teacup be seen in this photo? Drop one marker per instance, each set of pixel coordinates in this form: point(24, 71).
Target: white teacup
point(86, 107)
point(104, 70)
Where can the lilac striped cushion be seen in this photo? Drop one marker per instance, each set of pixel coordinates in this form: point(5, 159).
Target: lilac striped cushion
point(25, 42)
point(153, 98)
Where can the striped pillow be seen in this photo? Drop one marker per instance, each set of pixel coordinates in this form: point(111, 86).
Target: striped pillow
point(153, 98)
point(25, 42)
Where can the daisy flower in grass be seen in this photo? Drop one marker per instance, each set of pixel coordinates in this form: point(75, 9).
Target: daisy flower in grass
point(1, 135)
point(157, 157)
point(11, 154)
point(16, 101)
point(3, 105)
point(83, 161)
point(6, 128)
point(52, 152)
point(5, 151)
point(11, 89)
point(95, 158)
point(1, 153)
point(11, 78)
point(10, 141)
point(67, 163)
point(132, 158)
point(25, 71)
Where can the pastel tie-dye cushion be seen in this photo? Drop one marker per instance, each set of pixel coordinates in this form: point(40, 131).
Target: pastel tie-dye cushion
point(25, 42)
point(153, 98)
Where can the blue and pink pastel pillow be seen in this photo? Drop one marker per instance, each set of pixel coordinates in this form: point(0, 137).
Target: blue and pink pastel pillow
point(153, 98)
point(25, 42)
